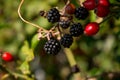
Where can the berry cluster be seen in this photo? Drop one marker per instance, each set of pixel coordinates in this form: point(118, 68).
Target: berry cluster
point(101, 7)
point(68, 28)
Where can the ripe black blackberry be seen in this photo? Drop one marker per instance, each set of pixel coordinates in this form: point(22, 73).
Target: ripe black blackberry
point(76, 29)
point(66, 40)
point(81, 13)
point(64, 24)
point(52, 46)
point(53, 15)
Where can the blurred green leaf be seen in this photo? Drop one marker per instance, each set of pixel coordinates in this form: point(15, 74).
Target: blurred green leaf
point(43, 22)
point(26, 53)
point(34, 41)
point(25, 68)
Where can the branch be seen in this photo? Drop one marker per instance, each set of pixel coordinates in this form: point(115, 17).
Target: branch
point(73, 64)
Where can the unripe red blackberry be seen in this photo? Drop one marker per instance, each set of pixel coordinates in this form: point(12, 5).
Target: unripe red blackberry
point(53, 15)
point(76, 29)
point(102, 11)
point(66, 40)
point(81, 13)
point(91, 29)
point(90, 4)
point(52, 46)
point(70, 8)
point(7, 56)
point(104, 2)
point(64, 24)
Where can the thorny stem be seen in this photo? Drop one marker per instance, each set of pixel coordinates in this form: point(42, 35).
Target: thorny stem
point(19, 8)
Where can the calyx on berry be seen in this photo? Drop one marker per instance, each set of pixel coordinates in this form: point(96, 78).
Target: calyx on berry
point(91, 29)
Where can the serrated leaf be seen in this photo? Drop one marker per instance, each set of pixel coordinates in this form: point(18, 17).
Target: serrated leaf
point(25, 68)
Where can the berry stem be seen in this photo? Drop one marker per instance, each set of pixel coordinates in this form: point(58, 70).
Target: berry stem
point(80, 2)
point(108, 17)
point(115, 4)
point(70, 57)
point(72, 62)
point(19, 8)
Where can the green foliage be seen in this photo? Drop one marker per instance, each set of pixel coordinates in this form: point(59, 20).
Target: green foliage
point(25, 68)
point(26, 54)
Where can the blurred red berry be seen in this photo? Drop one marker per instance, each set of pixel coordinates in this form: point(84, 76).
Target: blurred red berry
point(70, 8)
point(89, 4)
point(104, 2)
point(91, 29)
point(7, 56)
point(102, 11)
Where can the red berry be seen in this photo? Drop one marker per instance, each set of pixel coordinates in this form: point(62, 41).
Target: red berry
point(6, 56)
point(104, 2)
point(91, 29)
point(102, 11)
point(70, 8)
point(90, 4)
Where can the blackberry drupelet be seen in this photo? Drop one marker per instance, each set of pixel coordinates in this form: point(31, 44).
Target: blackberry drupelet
point(52, 46)
point(66, 40)
point(76, 29)
point(81, 13)
point(53, 15)
point(64, 24)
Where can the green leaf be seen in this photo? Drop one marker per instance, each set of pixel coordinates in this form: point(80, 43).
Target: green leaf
point(25, 68)
point(26, 52)
point(34, 41)
point(44, 23)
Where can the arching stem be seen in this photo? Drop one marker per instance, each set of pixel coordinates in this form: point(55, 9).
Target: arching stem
point(19, 8)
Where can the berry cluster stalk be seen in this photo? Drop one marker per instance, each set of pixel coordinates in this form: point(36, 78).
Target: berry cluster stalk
point(72, 63)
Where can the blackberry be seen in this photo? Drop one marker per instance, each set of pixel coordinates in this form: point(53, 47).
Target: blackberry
point(52, 46)
point(53, 15)
point(76, 29)
point(64, 24)
point(81, 13)
point(66, 40)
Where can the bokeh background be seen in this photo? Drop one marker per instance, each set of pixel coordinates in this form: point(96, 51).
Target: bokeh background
point(98, 55)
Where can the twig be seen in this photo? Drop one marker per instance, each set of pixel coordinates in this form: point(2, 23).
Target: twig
point(72, 63)
point(108, 17)
point(19, 8)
